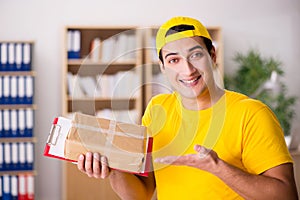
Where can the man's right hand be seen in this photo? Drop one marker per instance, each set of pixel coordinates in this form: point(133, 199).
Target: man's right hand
point(94, 165)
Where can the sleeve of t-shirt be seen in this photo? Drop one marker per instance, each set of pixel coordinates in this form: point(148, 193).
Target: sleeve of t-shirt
point(146, 119)
point(264, 146)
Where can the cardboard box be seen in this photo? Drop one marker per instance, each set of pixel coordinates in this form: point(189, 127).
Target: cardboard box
point(127, 146)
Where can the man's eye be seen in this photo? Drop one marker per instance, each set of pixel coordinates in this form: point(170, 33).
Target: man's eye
point(175, 60)
point(196, 55)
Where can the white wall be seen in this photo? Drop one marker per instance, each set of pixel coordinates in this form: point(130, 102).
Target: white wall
point(273, 26)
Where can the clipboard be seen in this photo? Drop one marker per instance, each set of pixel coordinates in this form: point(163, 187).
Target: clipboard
point(127, 146)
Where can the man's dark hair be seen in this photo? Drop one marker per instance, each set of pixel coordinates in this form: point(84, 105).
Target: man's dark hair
point(184, 27)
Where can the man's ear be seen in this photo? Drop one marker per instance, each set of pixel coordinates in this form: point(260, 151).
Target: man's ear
point(161, 66)
point(213, 54)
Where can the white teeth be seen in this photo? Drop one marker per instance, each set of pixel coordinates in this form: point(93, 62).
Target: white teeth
point(190, 81)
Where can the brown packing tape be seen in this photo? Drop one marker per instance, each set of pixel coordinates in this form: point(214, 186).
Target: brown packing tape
point(123, 144)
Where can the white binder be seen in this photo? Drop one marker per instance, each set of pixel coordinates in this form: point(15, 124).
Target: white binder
point(4, 55)
point(21, 122)
point(22, 156)
point(26, 56)
point(6, 123)
point(14, 156)
point(1, 157)
point(29, 89)
point(13, 89)
point(14, 123)
point(1, 90)
point(6, 90)
point(21, 89)
point(11, 56)
point(6, 187)
point(7, 155)
point(29, 155)
point(18, 56)
point(29, 122)
point(14, 186)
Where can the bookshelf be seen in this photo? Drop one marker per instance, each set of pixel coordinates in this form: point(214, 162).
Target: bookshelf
point(17, 120)
point(155, 82)
point(98, 63)
point(107, 57)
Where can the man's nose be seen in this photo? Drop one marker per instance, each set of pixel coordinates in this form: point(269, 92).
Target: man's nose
point(187, 68)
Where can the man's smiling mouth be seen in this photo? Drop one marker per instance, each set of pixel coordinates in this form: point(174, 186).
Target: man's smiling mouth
point(190, 82)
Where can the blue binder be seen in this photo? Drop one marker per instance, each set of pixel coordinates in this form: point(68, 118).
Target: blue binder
point(13, 123)
point(6, 187)
point(14, 156)
point(1, 157)
point(14, 187)
point(21, 123)
point(18, 57)
point(29, 119)
point(4, 57)
point(11, 57)
point(22, 156)
point(1, 125)
point(21, 89)
point(6, 90)
point(13, 81)
point(7, 156)
point(74, 44)
point(1, 57)
point(6, 123)
point(29, 90)
point(26, 59)
point(1, 89)
point(29, 155)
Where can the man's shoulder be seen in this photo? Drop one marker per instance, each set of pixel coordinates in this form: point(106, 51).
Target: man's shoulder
point(241, 101)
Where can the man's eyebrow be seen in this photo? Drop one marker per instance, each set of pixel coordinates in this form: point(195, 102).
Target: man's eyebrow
point(195, 47)
point(170, 54)
point(191, 49)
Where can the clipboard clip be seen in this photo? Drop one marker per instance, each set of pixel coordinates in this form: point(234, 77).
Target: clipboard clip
point(54, 134)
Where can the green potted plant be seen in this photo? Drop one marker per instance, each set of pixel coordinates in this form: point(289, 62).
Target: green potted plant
point(259, 77)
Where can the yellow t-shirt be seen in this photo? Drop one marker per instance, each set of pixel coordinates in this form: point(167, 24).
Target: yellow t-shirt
point(244, 132)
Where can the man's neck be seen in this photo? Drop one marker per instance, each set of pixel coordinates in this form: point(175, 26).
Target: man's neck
point(204, 101)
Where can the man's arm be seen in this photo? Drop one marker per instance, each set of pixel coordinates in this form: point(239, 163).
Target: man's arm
point(275, 183)
point(126, 185)
point(131, 187)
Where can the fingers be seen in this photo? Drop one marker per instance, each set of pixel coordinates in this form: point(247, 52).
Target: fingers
point(89, 164)
point(94, 165)
point(80, 163)
point(202, 151)
point(105, 169)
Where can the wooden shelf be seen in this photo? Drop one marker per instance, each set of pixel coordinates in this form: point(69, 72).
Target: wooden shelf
point(99, 63)
point(17, 172)
point(17, 139)
point(97, 68)
point(91, 106)
point(17, 73)
point(17, 106)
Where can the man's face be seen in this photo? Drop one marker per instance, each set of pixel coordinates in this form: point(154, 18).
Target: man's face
point(188, 66)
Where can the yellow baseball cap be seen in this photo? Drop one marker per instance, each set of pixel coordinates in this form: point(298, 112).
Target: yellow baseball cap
point(162, 38)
